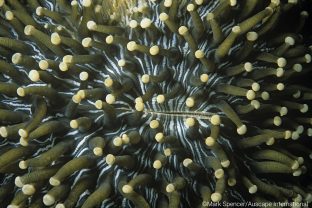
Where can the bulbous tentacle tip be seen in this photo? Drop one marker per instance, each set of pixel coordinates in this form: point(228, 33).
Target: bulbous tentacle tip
point(60, 205)
point(242, 130)
point(28, 189)
point(216, 197)
point(54, 181)
point(48, 200)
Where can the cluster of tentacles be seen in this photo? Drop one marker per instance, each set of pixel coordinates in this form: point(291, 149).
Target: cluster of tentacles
point(153, 103)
